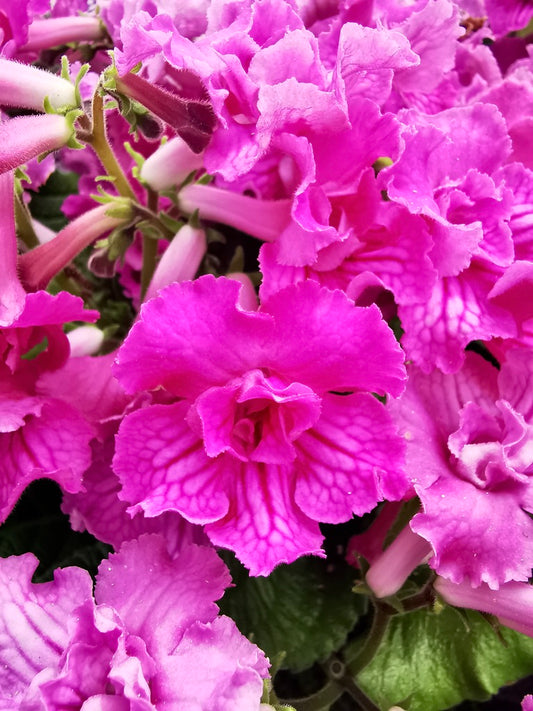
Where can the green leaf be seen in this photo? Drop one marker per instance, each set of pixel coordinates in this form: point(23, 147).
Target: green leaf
point(430, 661)
point(305, 609)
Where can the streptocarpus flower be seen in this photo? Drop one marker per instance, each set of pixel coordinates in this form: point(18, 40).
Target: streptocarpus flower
point(272, 428)
point(448, 173)
point(151, 642)
point(469, 441)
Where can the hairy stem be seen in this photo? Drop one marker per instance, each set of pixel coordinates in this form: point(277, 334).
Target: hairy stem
point(98, 140)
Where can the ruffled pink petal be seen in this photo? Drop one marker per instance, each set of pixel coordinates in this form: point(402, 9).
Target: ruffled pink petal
point(432, 33)
point(52, 444)
point(477, 534)
point(508, 16)
point(15, 407)
point(458, 311)
point(99, 510)
point(353, 351)
point(264, 526)
point(350, 460)
point(233, 679)
point(514, 381)
point(43, 309)
point(256, 418)
point(158, 597)
point(428, 412)
point(85, 664)
point(87, 384)
point(35, 621)
point(162, 466)
point(367, 60)
point(187, 345)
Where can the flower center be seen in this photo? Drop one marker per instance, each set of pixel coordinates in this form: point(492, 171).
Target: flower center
point(256, 417)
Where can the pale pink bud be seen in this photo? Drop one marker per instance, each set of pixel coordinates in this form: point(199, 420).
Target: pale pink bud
point(26, 137)
point(264, 219)
point(180, 261)
point(248, 300)
point(26, 86)
point(85, 341)
point(389, 572)
point(56, 31)
point(170, 164)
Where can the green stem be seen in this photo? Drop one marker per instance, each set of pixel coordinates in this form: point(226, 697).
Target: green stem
point(149, 248)
point(24, 226)
point(98, 140)
point(358, 695)
point(424, 598)
point(363, 657)
point(152, 217)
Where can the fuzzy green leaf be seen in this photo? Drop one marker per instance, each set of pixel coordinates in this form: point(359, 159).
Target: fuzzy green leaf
point(431, 661)
point(305, 609)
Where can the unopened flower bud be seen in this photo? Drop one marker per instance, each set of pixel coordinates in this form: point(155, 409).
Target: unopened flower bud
point(512, 603)
point(264, 219)
point(57, 31)
point(41, 264)
point(389, 572)
point(27, 87)
point(85, 340)
point(26, 137)
point(170, 164)
point(180, 260)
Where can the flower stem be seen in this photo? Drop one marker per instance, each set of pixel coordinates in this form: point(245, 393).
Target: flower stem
point(357, 661)
point(24, 226)
point(149, 249)
point(98, 140)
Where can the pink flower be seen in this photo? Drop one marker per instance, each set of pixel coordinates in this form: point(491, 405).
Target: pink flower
point(269, 425)
point(469, 441)
point(449, 173)
point(152, 641)
point(40, 436)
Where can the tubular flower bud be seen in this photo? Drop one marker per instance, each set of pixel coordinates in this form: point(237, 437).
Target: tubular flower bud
point(170, 164)
point(55, 31)
point(41, 264)
point(264, 219)
point(27, 137)
point(26, 86)
point(390, 571)
point(180, 261)
point(512, 603)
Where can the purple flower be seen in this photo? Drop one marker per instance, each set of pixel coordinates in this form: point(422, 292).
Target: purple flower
point(270, 426)
point(152, 640)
